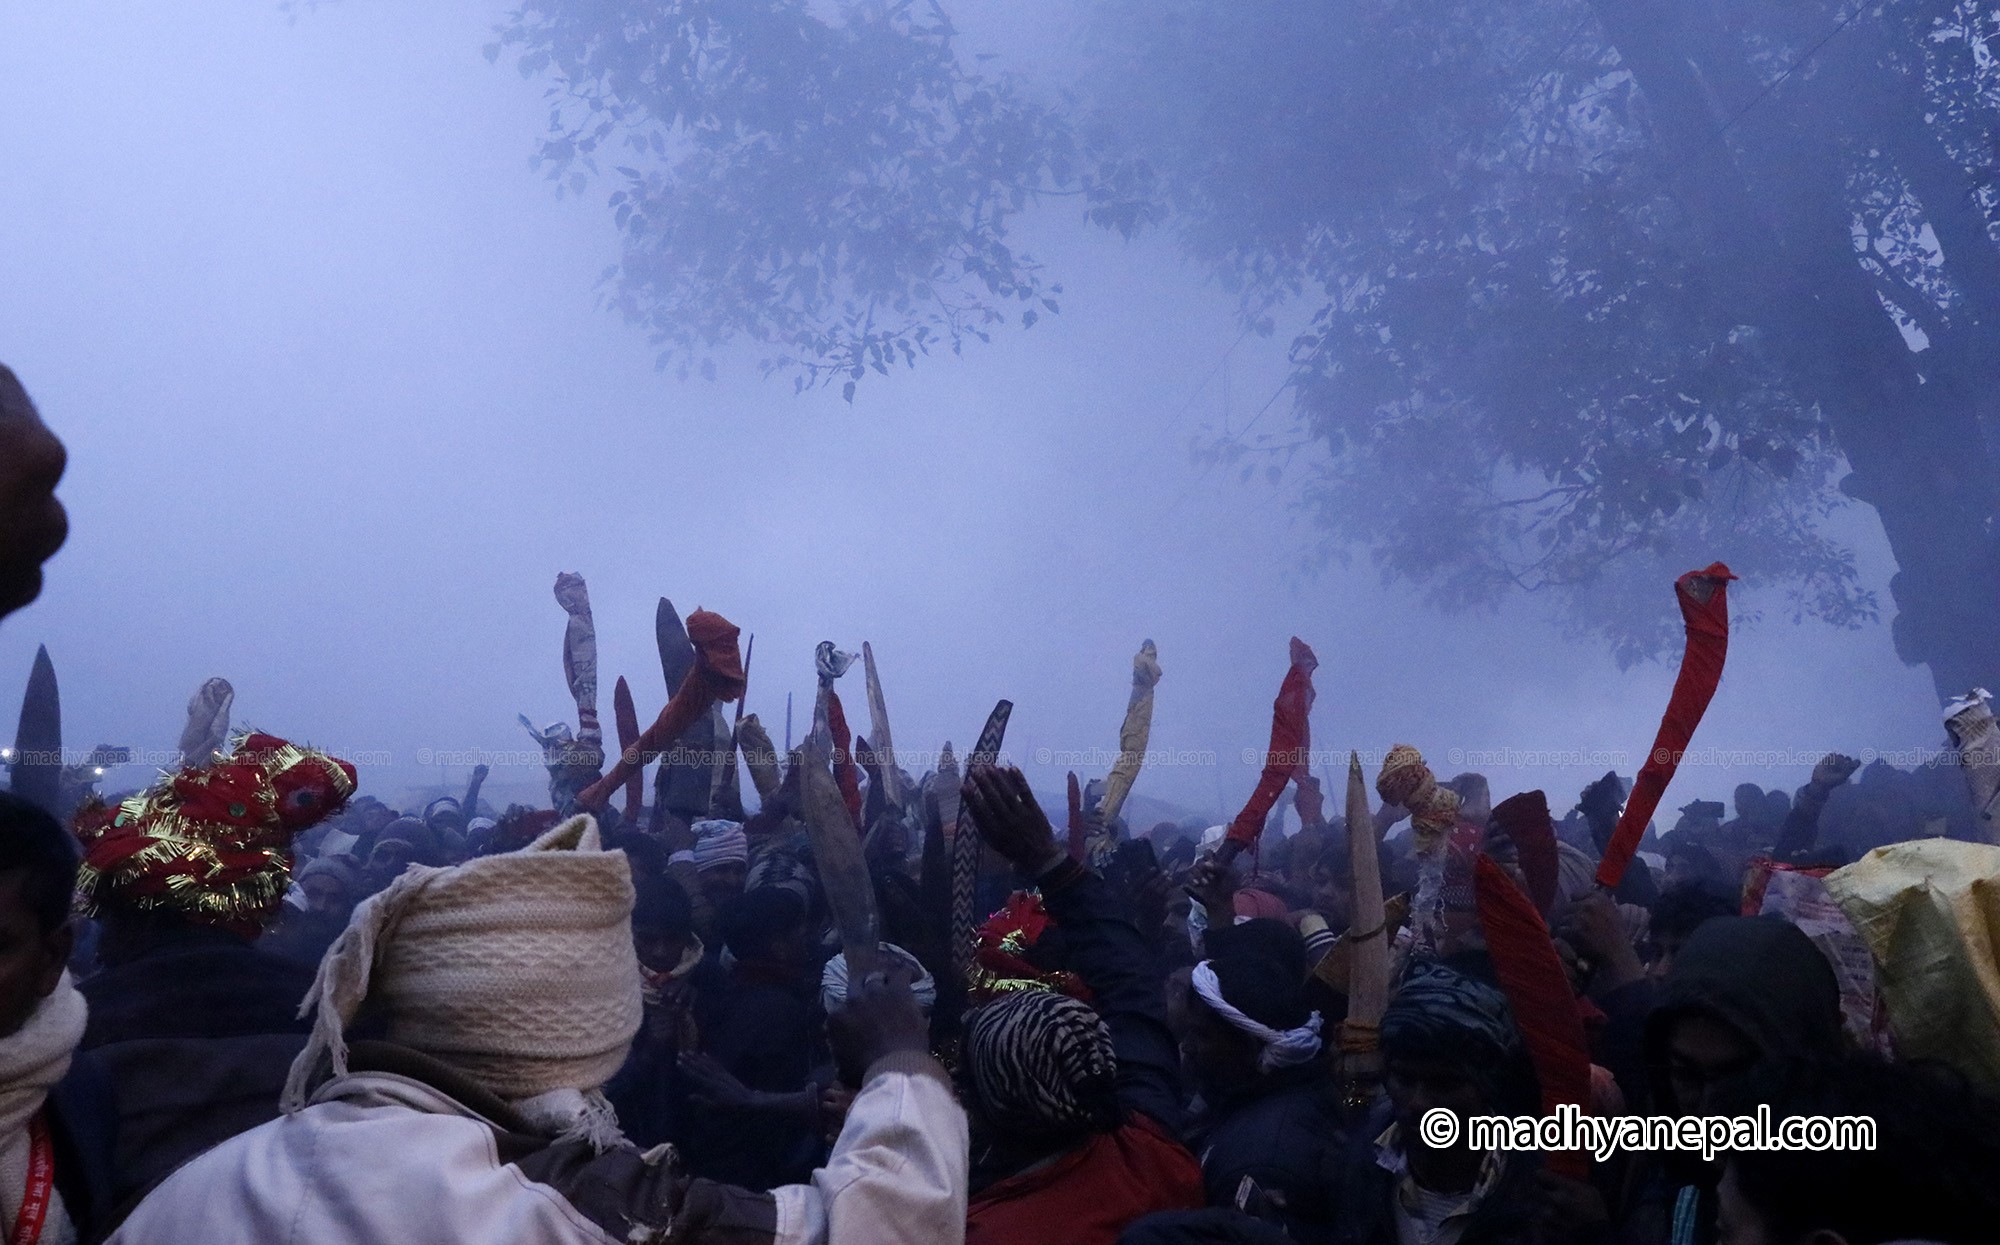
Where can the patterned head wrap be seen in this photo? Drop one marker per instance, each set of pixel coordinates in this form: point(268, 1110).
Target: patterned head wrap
point(787, 864)
point(212, 843)
point(1441, 1012)
point(718, 842)
point(1041, 1065)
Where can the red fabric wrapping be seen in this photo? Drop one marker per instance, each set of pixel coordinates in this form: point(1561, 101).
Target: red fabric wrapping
point(717, 675)
point(1545, 1011)
point(1287, 755)
point(1076, 827)
point(1525, 820)
point(627, 718)
point(1701, 670)
point(1306, 795)
point(844, 773)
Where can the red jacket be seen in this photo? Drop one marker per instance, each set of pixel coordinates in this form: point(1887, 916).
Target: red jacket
point(1091, 1194)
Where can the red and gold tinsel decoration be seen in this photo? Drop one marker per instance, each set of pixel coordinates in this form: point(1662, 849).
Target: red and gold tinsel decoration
point(212, 843)
point(1001, 963)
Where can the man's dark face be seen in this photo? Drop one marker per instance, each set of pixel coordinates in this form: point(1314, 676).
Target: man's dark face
point(1749, 801)
point(387, 862)
point(1702, 1053)
point(659, 949)
point(33, 524)
point(724, 882)
point(325, 896)
point(1417, 1086)
point(792, 948)
point(31, 961)
point(1210, 1049)
point(1659, 951)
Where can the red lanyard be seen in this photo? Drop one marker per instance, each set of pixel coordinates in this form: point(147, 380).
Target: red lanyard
point(41, 1181)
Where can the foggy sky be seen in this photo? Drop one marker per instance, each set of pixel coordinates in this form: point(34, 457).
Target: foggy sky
point(340, 404)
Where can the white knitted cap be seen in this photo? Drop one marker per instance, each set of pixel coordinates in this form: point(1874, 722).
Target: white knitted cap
point(517, 969)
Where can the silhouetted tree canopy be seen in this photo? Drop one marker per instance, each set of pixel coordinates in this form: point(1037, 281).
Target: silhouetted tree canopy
point(1594, 290)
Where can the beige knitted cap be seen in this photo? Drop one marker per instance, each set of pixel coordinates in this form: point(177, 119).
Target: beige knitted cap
point(517, 969)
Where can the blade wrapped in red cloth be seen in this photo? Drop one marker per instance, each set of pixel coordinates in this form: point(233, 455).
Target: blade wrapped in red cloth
point(1525, 820)
point(1287, 756)
point(1537, 988)
point(1704, 598)
point(844, 772)
point(717, 676)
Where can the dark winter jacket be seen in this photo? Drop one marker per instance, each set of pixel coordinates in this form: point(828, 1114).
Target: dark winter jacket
point(197, 1036)
point(1767, 981)
point(1366, 1193)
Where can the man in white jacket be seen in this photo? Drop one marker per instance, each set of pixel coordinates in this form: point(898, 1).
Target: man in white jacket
point(509, 993)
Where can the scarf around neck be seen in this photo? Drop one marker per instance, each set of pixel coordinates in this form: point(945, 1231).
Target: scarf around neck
point(32, 1060)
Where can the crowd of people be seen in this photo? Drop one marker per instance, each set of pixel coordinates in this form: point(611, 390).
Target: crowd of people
point(253, 1003)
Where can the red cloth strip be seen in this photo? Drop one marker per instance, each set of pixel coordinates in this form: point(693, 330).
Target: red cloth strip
point(844, 772)
point(1545, 1011)
point(1701, 671)
point(1525, 820)
point(1287, 754)
point(717, 675)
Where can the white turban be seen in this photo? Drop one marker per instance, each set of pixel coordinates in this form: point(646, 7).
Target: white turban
point(1286, 1048)
point(516, 969)
point(833, 981)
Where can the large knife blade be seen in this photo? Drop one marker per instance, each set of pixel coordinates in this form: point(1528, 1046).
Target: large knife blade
point(37, 759)
point(967, 846)
point(850, 893)
point(679, 787)
point(626, 715)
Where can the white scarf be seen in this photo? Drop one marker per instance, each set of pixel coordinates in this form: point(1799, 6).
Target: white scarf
point(1282, 1048)
point(32, 1060)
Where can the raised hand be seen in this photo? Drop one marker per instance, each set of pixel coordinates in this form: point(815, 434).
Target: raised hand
point(1212, 884)
point(1591, 924)
point(1833, 769)
point(881, 1018)
point(1009, 819)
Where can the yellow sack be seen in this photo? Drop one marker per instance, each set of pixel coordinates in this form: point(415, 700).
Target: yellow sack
point(1929, 910)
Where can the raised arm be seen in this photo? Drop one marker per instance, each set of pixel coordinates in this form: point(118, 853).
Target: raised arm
point(1800, 832)
point(1100, 936)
